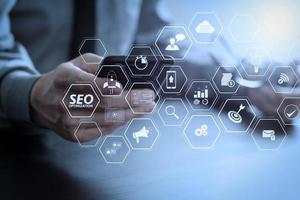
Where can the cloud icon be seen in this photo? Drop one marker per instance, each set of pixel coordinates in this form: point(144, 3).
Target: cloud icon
point(204, 27)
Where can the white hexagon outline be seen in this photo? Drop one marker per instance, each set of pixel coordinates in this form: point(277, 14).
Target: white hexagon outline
point(189, 46)
point(189, 141)
point(142, 148)
point(85, 84)
point(175, 99)
point(217, 20)
point(235, 81)
point(140, 83)
point(124, 86)
point(141, 47)
point(293, 71)
point(240, 99)
point(114, 136)
point(233, 35)
point(214, 101)
point(257, 145)
point(93, 39)
point(280, 106)
point(267, 53)
point(171, 66)
point(87, 145)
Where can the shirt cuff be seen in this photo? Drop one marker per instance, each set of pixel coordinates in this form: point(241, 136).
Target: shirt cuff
point(15, 95)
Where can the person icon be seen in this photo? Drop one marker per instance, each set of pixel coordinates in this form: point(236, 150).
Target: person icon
point(172, 46)
point(111, 82)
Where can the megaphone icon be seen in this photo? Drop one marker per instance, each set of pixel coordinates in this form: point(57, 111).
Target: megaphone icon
point(143, 132)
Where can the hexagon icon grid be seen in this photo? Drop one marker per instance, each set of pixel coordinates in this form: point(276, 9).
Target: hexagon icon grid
point(224, 80)
point(87, 127)
point(268, 134)
point(289, 110)
point(114, 149)
point(237, 115)
point(173, 112)
point(137, 99)
point(283, 79)
point(92, 45)
point(243, 28)
point(141, 60)
point(116, 80)
point(205, 27)
point(201, 131)
point(81, 100)
point(171, 79)
point(173, 42)
point(141, 134)
point(257, 62)
point(201, 95)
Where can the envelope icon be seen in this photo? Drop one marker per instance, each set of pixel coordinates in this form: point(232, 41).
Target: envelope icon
point(269, 134)
point(204, 27)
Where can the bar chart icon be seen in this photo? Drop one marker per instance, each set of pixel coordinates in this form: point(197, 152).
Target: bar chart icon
point(201, 94)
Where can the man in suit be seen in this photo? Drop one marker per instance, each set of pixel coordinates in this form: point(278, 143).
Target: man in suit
point(39, 59)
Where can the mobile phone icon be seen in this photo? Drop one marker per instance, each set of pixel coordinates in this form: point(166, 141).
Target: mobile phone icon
point(171, 79)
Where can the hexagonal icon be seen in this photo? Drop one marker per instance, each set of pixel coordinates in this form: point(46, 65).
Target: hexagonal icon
point(205, 27)
point(173, 112)
point(88, 129)
point(114, 115)
point(201, 95)
point(224, 80)
point(95, 46)
point(141, 60)
point(173, 42)
point(237, 115)
point(113, 82)
point(289, 110)
point(257, 62)
point(171, 79)
point(81, 100)
point(243, 28)
point(283, 79)
point(141, 94)
point(114, 149)
point(141, 134)
point(201, 131)
point(268, 134)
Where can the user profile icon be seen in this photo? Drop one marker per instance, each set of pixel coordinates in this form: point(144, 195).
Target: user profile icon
point(173, 42)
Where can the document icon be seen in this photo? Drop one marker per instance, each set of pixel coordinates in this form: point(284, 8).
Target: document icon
point(269, 134)
point(227, 80)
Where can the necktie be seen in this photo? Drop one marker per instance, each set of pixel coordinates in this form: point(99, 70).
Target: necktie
point(84, 26)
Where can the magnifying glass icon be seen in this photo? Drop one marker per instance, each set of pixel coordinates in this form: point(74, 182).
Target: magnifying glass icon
point(170, 110)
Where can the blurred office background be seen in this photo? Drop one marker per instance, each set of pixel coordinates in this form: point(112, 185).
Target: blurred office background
point(278, 28)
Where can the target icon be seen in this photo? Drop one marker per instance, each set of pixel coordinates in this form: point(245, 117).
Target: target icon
point(235, 116)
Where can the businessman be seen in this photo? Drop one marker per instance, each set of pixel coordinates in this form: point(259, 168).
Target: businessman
point(39, 60)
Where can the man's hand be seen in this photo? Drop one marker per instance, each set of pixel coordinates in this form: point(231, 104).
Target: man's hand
point(265, 99)
point(47, 93)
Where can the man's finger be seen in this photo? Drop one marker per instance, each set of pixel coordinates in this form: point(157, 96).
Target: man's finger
point(136, 98)
point(68, 74)
point(88, 62)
